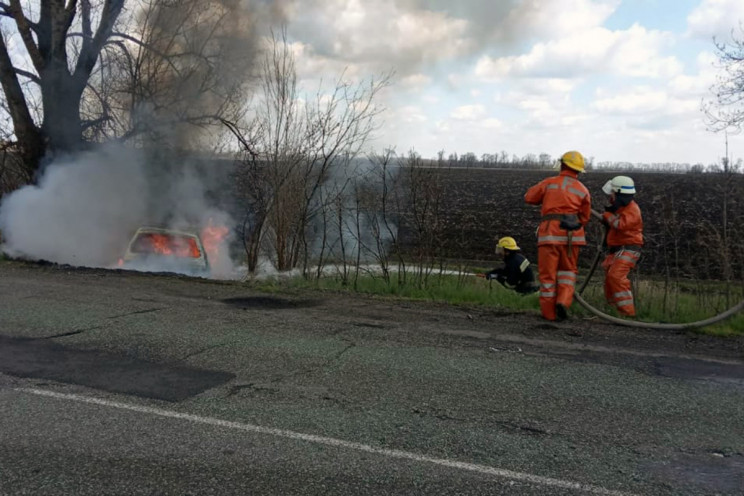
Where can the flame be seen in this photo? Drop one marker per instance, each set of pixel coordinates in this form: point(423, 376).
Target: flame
point(167, 244)
point(160, 244)
point(213, 237)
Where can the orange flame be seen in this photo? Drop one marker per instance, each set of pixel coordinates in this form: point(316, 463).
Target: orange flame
point(166, 244)
point(212, 238)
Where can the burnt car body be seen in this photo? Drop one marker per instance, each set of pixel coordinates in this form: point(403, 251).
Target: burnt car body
point(155, 249)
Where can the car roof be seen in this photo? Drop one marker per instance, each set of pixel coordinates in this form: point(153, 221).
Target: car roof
point(161, 230)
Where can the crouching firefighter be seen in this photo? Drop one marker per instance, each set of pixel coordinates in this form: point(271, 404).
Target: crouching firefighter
point(565, 208)
point(516, 273)
point(624, 241)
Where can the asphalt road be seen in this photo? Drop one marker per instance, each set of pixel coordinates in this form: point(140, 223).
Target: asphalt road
point(126, 383)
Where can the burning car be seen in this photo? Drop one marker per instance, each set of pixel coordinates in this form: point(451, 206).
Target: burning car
point(155, 249)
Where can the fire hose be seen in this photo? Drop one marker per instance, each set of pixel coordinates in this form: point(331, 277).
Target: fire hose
point(646, 325)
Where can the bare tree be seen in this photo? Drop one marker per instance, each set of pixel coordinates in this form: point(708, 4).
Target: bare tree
point(726, 108)
point(384, 216)
point(293, 146)
point(425, 211)
point(100, 71)
point(186, 67)
point(60, 73)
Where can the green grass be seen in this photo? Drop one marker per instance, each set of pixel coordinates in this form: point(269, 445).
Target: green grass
point(465, 290)
point(680, 302)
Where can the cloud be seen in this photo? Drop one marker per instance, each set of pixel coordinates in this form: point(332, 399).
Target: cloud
point(716, 18)
point(638, 100)
point(556, 89)
point(557, 17)
point(634, 52)
point(468, 112)
point(522, 75)
point(312, 66)
point(697, 85)
point(415, 81)
point(645, 108)
point(492, 123)
point(411, 114)
point(379, 34)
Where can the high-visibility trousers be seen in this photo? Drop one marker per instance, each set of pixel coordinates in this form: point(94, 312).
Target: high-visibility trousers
point(557, 269)
point(617, 290)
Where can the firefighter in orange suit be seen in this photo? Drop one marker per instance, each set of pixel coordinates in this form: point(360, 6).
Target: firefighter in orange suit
point(566, 208)
point(624, 241)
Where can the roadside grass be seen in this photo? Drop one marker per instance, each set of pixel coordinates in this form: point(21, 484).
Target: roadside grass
point(656, 302)
point(678, 302)
point(465, 289)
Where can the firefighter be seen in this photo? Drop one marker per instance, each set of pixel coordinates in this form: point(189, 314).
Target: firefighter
point(516, 273)
point(624, 241)
point(566, 208)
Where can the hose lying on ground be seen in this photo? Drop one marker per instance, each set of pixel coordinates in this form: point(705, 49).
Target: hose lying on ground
point(667, 327)
point(646, 325)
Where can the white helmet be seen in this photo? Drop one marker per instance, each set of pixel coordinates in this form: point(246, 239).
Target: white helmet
point(619, 184)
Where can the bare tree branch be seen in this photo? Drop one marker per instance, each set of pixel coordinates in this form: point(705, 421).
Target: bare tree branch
point(25, 30)
point(726, 109)
point(29, 75)
point(91, 50)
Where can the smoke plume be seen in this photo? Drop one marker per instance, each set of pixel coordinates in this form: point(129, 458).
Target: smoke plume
point(85, 208)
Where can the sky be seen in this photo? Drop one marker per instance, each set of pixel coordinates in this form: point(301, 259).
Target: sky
point(617, 80)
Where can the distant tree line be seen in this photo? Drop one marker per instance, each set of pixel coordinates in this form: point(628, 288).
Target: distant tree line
point(544, 161)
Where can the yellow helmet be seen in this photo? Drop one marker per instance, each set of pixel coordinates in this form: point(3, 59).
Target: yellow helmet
point(573, 160)
point(507, 243)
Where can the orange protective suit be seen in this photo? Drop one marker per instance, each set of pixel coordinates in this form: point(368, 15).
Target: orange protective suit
point(624, 240)
point(556, 264)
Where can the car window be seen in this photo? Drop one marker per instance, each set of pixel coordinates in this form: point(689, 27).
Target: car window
point(166, 244)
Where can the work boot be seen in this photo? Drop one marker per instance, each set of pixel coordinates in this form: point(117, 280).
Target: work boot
point(560, 312)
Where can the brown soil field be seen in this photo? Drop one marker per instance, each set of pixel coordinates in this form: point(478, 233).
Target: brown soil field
point(683, 217)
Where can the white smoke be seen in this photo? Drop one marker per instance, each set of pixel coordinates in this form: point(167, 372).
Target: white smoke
point(85, 209)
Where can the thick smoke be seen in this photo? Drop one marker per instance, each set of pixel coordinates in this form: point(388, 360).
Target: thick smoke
point(81, 212)
point(85, 209)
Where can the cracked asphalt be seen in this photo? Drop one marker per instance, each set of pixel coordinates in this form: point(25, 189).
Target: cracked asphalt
point(125, 383)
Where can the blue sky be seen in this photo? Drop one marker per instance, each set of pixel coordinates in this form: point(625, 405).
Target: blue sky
point(618, 80)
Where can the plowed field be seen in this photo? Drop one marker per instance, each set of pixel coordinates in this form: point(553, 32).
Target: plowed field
point(684, 217)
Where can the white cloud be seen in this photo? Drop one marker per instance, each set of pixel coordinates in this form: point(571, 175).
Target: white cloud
point(641, 99)
point(634, 52)
point(492, 123)
point(716, 18)
point(645, 109)
point(543, 107)
point(558, 17)
point(312, 66)
point(525, 76)
point(415, 81)
point(697, 85)
point(380, 34)
point(468, 112)
point(455, 81)
point(411, 114)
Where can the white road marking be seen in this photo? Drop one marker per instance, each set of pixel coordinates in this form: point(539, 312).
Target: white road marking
point(339, 443)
